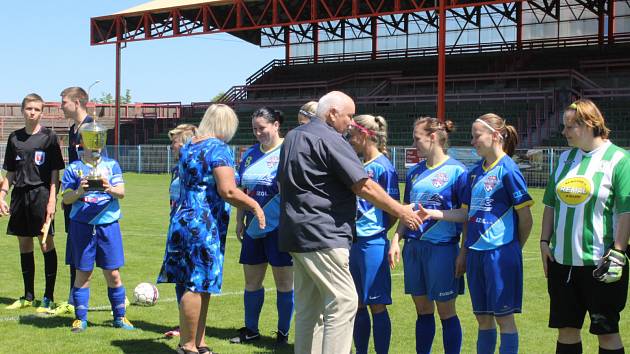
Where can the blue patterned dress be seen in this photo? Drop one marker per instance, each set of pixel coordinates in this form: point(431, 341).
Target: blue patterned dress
point(196, 238)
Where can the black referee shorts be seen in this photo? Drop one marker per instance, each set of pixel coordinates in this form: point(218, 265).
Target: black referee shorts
point(28, 211)
point(573, 292)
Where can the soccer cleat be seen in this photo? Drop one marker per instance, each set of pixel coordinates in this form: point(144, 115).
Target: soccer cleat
point(245, 335)
point(20, 303)
point(282, 338)
point(123, 322)
point(61, 309)
point(45, 306)
point(78, 326)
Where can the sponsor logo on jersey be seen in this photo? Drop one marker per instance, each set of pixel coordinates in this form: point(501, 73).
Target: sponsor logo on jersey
point(483, 204)
point(574, 190)
point(370, 174)
point(40, 158)
point(439, 180)
point(489, 183)
point(272, 161)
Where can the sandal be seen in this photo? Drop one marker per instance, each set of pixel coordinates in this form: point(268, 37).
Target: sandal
point(181, 350)
point(205, 350)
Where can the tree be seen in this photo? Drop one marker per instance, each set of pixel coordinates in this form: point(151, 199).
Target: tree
point(217, 96)
point(107, 98)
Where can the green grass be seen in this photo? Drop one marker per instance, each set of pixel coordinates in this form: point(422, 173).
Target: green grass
point(144, 228)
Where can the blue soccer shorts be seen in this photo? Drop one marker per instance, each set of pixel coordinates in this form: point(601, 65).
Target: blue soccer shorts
point(96, 243)
point(370, 270)
point(495, 280)
point(430, 270)
point(264, 250)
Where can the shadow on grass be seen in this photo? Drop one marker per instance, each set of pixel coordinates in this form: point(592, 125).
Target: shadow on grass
point(140, 346)
point(266, 344)
point(6, 300)
point(44, 321)
point(151, 327)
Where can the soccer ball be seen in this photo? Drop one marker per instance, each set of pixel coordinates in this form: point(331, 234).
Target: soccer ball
point(145, 294)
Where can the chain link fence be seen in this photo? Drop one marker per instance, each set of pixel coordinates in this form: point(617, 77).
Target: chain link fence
point(535, 164)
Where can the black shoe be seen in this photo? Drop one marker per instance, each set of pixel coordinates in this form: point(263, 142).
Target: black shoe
point(282, 338)
point(245, 335)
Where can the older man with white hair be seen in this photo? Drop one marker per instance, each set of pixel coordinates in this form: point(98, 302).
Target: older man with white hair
point(320, 175)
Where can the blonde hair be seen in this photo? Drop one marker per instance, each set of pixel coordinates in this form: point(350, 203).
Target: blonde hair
point(508, 133)
point(309, 107)
point(32, 97)
point(434, 125)
point(587, 114)
point(182, 131)
point(76, 94)
point(377, 125)
point(219, 121)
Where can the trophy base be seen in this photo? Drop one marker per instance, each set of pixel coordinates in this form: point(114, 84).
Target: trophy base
point(95, 185)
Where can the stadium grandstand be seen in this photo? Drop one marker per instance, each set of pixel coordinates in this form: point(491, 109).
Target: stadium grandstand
point(525, 60)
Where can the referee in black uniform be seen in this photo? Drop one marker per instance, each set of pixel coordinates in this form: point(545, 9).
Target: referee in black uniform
point(32, 162)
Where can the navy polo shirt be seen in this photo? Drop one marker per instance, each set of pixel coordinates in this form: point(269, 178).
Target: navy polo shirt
point(316, 172)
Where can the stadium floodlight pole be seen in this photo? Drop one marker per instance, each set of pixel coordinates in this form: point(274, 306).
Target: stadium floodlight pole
point(88, 93)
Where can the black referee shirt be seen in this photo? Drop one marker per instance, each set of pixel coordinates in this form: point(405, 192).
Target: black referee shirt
point(33, 157)
point(316, 172)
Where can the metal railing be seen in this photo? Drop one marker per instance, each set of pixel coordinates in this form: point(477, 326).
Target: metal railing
point(535, 164)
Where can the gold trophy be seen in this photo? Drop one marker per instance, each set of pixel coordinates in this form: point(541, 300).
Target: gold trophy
point(94, 137)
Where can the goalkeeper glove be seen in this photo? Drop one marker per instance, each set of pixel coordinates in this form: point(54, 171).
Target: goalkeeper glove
point(610, 267)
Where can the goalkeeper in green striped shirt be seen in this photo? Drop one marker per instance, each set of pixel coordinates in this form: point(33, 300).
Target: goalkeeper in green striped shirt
point(584, 239)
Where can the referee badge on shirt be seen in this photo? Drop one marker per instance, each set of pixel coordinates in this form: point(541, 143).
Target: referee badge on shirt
point(40, 158)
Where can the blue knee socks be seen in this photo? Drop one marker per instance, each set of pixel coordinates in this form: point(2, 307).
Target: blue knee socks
point(452, 335)
point(382, 332)
point(117, 300)
point(284, 304)
point(425, 331)
point(81, 302)
point(253, 301)
point(361, 333)
point(509, 343)
point(486, 341)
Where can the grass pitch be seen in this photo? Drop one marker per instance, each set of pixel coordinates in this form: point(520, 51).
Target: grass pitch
point(144, 226)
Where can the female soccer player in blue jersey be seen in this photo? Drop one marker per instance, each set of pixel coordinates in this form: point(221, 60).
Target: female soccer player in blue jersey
point(496, 208)
point(430, 252)
point(257, 172)
point(368, 255)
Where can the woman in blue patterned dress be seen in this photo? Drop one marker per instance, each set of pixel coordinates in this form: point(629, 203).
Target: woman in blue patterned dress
point(178, 136)
point(194, 255)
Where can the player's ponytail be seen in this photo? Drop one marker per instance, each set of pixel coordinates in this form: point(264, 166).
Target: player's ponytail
point(509, 135)
point(440, 128)
point(376, 129)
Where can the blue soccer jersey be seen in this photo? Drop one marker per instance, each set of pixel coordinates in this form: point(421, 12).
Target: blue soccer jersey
point(257, 176)
point(492, 197)
point(370, 220)
point(94, 208)
point(439, 187)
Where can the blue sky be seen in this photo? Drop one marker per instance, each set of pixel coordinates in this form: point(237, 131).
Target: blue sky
point(46, 47)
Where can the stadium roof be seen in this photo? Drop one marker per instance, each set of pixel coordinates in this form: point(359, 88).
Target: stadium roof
point(245, 18)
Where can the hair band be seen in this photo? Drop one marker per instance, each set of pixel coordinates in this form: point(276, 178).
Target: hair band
point(362, 128)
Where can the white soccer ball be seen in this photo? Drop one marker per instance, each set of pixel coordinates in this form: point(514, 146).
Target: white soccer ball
point(145, 294)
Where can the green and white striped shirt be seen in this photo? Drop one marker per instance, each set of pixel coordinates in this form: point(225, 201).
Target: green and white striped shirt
point(587, 191)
